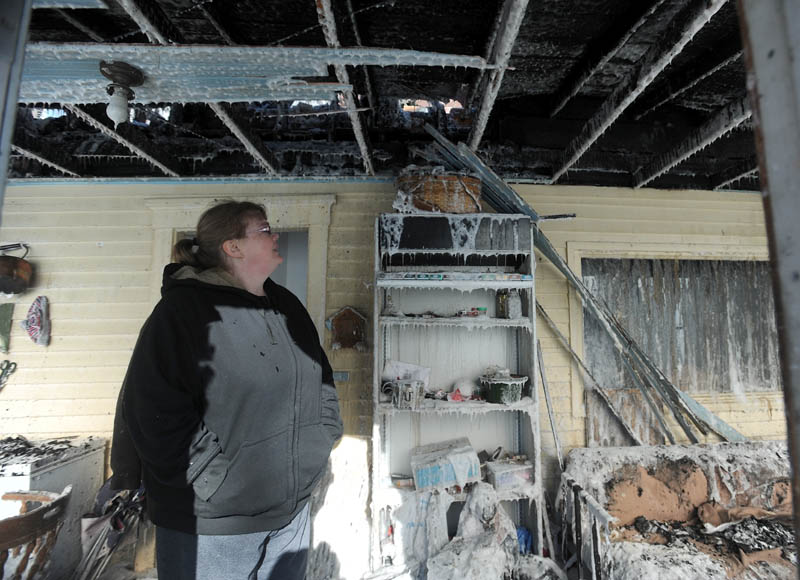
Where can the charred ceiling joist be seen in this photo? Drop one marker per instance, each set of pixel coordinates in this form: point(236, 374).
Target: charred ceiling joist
point(129, 138)
point(328, 23)
point(657, 58)
point(238, 126)
point(721, 123)
point(46, 162)
point(719, 58)
point(209, 13)
point(510, 20)
point(31, 146)
point(747, 168)
point(603, 50)
point(152, 20)
point(287, 57)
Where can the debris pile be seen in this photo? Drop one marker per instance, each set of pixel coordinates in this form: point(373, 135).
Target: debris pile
point(707, 511)
point(21, 450)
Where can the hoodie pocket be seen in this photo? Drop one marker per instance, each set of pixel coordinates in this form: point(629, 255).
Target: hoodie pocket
point(210, 479)
point(315, 448)
point(257, 479)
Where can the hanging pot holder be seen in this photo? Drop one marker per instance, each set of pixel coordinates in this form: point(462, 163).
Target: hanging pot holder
point(37, 323)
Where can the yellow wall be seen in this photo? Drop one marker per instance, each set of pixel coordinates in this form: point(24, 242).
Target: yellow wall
point(92, 246)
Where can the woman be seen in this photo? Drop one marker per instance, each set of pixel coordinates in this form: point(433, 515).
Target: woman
point(228, 411)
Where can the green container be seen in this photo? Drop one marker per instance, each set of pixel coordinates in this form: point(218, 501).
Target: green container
point(503, 391)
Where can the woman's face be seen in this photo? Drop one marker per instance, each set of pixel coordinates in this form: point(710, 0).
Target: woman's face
point(260, 248)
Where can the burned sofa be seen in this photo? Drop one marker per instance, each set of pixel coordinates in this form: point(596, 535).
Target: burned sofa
point(701, 511)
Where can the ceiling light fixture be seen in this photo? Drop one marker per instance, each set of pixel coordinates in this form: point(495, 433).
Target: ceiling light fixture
point(122, 76)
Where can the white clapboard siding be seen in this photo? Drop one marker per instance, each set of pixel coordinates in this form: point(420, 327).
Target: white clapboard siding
point(92, 253)
point(92, 246)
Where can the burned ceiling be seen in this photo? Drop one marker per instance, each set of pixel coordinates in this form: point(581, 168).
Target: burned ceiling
point(626, 93)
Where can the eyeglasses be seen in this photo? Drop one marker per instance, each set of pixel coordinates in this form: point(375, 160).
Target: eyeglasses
point(262, 230)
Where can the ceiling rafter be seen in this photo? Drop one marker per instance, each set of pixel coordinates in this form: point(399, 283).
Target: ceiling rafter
point(724, 121)
point(209, 13)
point(722, 57)
point(747, 168)
point(152, 20)
point(130, 139)
point(238, 126)
point(47, 162)
point(78, 25)
point(367, 77)
point(513, 12)
point(598, 53)
point(328, 24)
point(474, 91)
point(655, 60)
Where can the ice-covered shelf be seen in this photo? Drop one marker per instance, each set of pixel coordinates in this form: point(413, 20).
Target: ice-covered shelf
point(522, 493)
point(470, 281)
point(399, 495)
point(455, 276)
point(436, 406)
point(468, 322)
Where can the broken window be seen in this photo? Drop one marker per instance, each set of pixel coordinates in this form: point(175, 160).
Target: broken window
point(708, 325)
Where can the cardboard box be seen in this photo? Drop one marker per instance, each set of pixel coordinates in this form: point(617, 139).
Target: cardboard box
point(445, 464)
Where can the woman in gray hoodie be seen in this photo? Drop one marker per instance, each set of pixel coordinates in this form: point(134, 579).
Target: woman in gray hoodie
point(228, 412)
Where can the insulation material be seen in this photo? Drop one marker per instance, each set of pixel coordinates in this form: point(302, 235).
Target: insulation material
point(445, 464)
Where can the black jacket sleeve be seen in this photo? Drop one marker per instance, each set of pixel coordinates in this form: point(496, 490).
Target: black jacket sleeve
point(158, 413)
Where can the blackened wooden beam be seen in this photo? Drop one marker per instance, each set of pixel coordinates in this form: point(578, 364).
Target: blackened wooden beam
point(725, 120)
point(686, 25)
point(720, 58)
point(210, 14)
point(77, 24)
point(130, 138)
point(328, 23)
point(513, 13)
point(747, 168)
point(152, 20)
point(43, 161)
point(239, 127)
point(33, 148)
point(371, 99)
point(598, 53)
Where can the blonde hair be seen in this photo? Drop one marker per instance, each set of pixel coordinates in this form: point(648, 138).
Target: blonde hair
point(227, 220)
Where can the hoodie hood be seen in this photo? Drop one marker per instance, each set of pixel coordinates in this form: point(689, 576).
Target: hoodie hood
point(181, 275)
point(213, 276)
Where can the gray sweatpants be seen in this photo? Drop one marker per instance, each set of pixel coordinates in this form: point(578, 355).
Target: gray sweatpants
point(277, 555)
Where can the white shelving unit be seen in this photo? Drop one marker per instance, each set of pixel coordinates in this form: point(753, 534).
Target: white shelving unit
point(428, 268)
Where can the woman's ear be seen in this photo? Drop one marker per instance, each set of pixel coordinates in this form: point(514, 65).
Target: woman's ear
point(231, 249)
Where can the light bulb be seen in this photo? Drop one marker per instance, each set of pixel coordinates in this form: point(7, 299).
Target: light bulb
point(117, 109)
